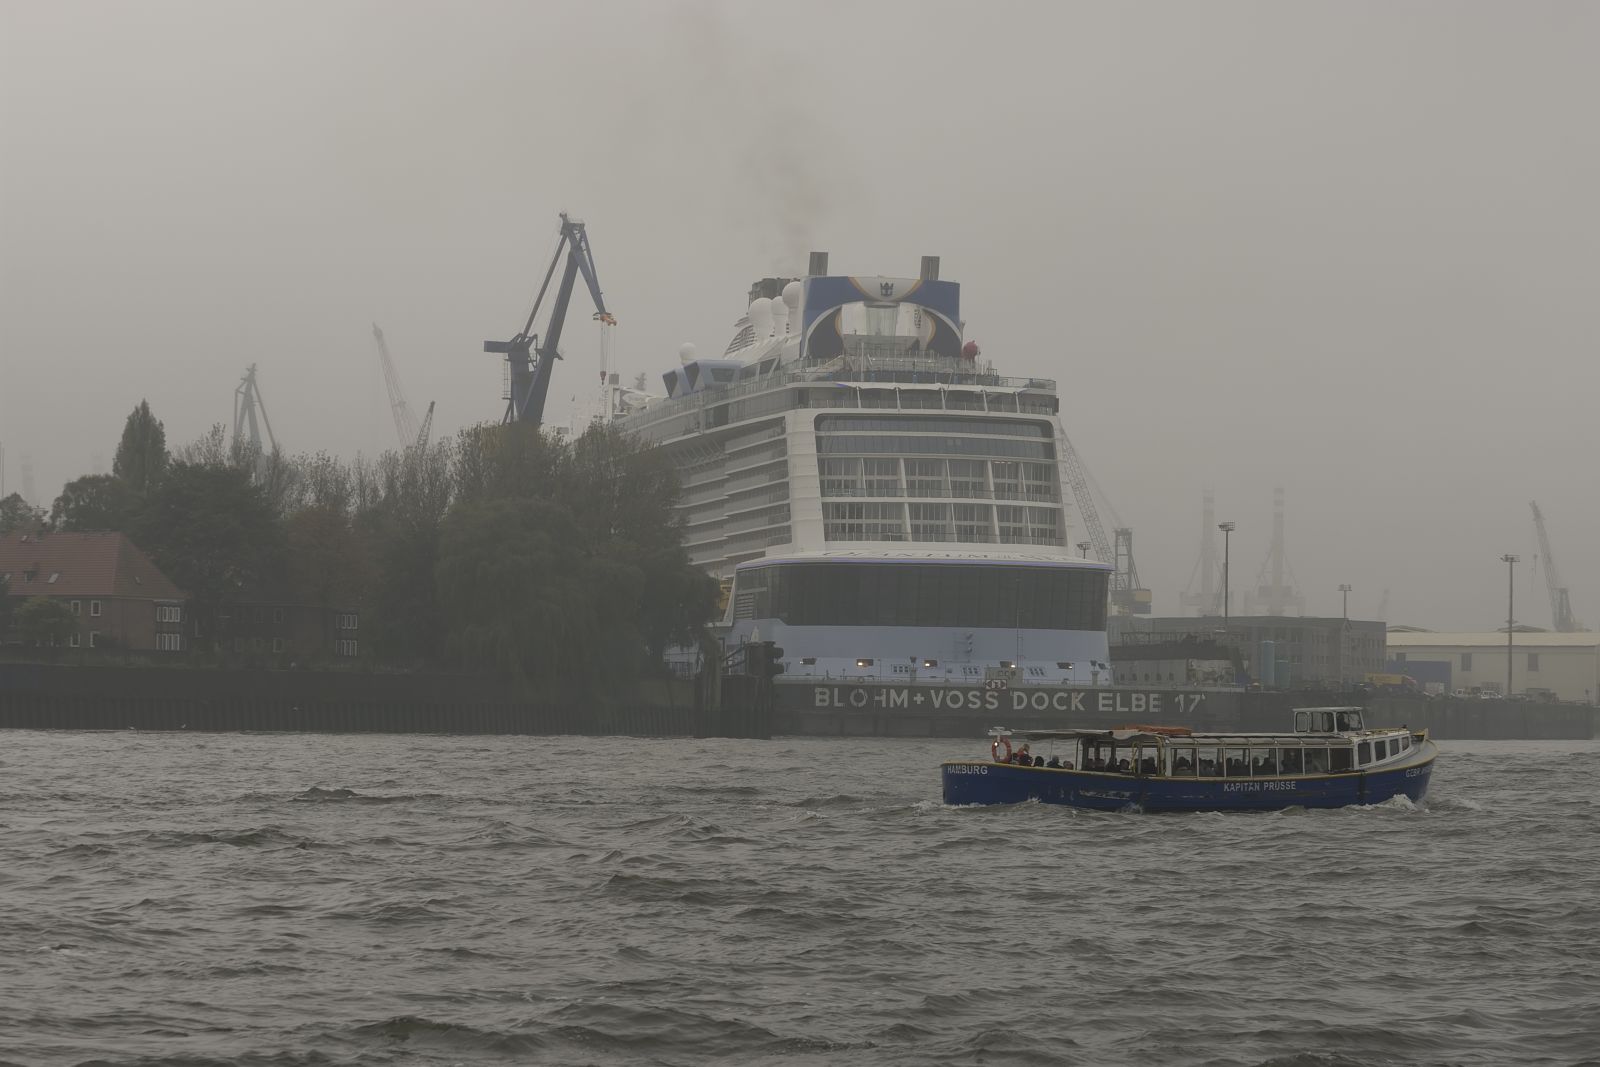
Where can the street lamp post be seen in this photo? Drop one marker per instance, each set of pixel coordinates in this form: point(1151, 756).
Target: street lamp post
point(1344, 631)
point(1511, 619)
point(1226, 528)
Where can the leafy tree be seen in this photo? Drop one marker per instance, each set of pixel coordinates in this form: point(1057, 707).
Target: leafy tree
point(141, 456)
point(7, 607)
point(42, 621)
point(213, 533)
point(517, 594)
point(95, 502)
point(623, 496)
point(327, 563)
point(17, 514)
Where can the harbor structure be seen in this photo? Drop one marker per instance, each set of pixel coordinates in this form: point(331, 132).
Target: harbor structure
point(1543, 665)
point(1277, 651)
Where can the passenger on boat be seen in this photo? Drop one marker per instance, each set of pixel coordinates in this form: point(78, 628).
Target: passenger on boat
point(1147, 765)
point(1181, 765)
point(1066, 765)
point(1208, 768)
point(1122, 766)
point(1054, 761)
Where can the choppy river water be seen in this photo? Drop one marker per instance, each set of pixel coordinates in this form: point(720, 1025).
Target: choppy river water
point(305, 899)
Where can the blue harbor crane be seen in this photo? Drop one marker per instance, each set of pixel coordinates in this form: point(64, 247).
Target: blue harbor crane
point(529, 358)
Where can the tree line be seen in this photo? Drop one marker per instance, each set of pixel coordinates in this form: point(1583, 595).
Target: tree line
point(502, 550)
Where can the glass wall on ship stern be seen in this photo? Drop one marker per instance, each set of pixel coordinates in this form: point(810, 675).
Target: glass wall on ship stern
point(927, 475)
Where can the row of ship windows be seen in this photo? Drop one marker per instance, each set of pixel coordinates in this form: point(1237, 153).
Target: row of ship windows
point(665, 427)
point(971, 478)
point(924, 424)
point(848, 444)
point(1011, 524)
point(1256, 761)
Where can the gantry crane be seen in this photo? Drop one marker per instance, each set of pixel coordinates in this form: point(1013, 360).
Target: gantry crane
point(530, 359)
point(1560, 602)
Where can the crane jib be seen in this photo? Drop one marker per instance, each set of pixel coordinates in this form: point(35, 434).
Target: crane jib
point(530, 376)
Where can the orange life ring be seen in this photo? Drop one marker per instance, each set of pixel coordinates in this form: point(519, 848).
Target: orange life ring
point(996, 745)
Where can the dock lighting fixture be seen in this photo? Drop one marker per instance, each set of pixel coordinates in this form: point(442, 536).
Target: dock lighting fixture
point(1511, 616)
point(1344, 629)
point(930, 663)
point(863, 662)
point(1227, 528)
point(1083, 549)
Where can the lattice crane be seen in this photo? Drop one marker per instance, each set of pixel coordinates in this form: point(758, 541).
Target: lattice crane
point(1127, 596)
point(530, 359)
point(1560, 602)
point(405, 420)
point(249, 416)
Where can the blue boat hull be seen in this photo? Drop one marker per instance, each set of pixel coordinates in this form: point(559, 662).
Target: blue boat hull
point(981, 782)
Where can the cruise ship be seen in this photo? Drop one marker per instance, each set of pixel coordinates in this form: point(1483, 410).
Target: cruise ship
point(873, 496)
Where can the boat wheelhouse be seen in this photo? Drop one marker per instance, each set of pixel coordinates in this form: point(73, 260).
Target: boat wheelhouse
point(1330, 759)
point(873, 496)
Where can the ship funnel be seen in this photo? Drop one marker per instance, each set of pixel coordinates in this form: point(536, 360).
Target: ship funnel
point(819, 265)
point(930, 268)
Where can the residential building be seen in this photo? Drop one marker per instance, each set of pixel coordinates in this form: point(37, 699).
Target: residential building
point(118, 596)
point(289, 631)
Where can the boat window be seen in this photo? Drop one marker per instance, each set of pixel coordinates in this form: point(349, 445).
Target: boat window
point(1236, 762)
point(1316, 761)
point(1380, 750)
point(1183, 762)
point(1349, 720)
point(1264, 762)
point(1364, 753)
point(1340, 758)
point(1405, 742)
point(1322, 722)
point(1293, 761)
point(1208, 763)
point(1302, 722)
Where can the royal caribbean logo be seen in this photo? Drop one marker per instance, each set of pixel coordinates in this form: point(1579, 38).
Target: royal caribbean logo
point(886, 288)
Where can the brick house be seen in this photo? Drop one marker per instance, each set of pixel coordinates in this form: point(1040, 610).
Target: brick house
point(119, 598)
point(290, 631)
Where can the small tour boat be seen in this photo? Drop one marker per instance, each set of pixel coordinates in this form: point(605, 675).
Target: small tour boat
point(1330, 760)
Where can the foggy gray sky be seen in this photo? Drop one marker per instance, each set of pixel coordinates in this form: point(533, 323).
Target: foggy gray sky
point(1352, 249)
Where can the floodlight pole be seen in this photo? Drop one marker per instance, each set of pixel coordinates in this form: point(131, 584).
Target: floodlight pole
point(1511, 591)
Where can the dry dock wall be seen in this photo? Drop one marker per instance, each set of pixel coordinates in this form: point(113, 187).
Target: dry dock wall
point(868, 709)
point(77, 697)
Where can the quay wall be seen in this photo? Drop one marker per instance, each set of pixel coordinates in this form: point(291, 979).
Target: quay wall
point(874, 709)
point(55, 697)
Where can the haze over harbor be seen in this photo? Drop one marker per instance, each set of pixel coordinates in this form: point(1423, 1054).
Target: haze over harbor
point(1346, 249)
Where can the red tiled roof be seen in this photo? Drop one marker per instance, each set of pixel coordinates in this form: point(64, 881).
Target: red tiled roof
point(84, 564)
